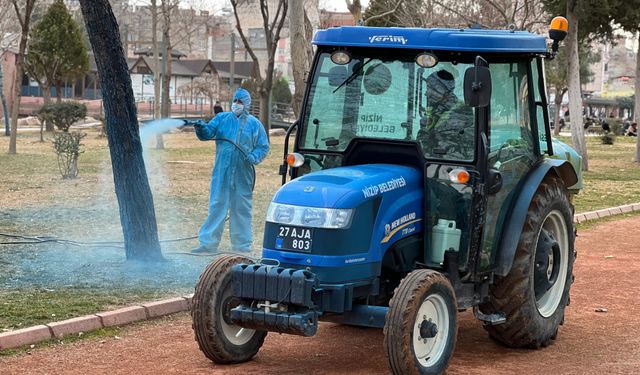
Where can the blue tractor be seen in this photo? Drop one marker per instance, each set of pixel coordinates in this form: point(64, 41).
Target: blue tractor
point(424, 181)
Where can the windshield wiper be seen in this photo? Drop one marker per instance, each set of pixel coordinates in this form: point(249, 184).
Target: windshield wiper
point(353, 75)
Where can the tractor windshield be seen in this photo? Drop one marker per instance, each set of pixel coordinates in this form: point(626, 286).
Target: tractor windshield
point(389, 99)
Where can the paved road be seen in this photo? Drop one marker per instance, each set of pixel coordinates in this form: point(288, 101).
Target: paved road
point(606, 271)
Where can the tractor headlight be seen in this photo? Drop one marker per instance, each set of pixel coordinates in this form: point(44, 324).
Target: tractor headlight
point(329, 218)
point(284, 214)
point(316, 217)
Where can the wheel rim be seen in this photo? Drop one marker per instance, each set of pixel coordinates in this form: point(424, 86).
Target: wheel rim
point(555, 269)
point(233, 333)
point(432, 312)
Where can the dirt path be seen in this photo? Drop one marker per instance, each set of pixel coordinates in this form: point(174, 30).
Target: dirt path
point(606, 271)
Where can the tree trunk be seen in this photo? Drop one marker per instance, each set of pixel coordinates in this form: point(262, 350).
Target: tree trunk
point(308, 30)
point(17, 94)
point(73, 167)
point(5, 107)
point(156, 59)
point(166, 91)
point(58, 92)
point(298, 52)
point(355, 8)
point(159, 142)
point(135, 200)
point(266, 88)
point(264, 109)
point(42, 131)
point(636, 110)
point(17, 89)
point(575, 94)
point(165, 108)
point(556, 116)
point(46, 99)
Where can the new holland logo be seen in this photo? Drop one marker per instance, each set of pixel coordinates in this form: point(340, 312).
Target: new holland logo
point(309, 189)
point(387, 39)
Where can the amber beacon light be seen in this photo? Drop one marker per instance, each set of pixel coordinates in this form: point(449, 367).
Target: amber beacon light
point(558, 31)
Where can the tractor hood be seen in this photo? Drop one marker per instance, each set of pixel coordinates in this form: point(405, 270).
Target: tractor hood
point(348, 187)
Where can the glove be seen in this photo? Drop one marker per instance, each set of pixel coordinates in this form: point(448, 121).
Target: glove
point(251, 159)
point(199, 123)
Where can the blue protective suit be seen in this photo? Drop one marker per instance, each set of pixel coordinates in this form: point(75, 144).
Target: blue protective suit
point(232, 178)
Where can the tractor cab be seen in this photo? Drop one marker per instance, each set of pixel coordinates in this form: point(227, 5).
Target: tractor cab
point(423, 181)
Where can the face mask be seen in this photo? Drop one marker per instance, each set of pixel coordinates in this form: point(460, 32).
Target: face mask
point(237, 108)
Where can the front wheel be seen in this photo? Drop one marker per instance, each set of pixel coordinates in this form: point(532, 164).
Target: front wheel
point(421, 325)
point(535, 292)
point(218, 338)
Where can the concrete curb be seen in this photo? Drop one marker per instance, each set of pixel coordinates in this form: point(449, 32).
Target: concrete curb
point(150, 310)
point(599, 214)
point(32, 335)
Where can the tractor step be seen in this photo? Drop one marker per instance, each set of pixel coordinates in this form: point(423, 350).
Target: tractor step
point(490, 319)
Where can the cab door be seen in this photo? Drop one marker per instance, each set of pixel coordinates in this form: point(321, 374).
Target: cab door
point(449, 146)
point(513, 147)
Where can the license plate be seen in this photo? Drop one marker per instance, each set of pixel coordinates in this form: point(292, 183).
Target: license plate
point(294, 238)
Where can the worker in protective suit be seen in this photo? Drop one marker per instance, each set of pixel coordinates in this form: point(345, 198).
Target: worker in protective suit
point(233, 175)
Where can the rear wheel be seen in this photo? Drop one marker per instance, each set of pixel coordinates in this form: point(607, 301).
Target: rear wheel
point(421, 325)
point(218, 338)
point(535, 292)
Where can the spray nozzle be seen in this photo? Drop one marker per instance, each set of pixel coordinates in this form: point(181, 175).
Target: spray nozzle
point(193, 123)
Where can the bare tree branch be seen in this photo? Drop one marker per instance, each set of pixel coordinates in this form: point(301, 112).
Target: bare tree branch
point(247, 46)
point(499, 9)
point(515, 11)
point(264, 9)
point(381, 15)
point(17, 9)
point(457, 13)
point(278, 10)
point(355, 8)
point(272, 29)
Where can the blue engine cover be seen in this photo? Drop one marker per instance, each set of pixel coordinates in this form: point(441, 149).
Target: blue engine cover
point(388, 203)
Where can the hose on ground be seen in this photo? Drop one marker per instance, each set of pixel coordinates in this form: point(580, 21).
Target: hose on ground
point(31, 240)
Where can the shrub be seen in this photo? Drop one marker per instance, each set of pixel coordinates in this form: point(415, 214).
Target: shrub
point(63, 115)
point(608, 138)
point(616, 126)
point(67, 147)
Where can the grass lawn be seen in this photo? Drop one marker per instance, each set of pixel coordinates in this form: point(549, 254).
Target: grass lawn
point(613, 178)
point(43, 283)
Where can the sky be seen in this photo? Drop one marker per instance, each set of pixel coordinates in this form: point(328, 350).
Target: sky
point(338, 5)
point(333, 5)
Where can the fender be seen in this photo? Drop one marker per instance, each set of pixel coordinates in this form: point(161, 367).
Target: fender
point(511, 236)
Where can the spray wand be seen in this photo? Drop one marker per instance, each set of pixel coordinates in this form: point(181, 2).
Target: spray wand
point(198, 123)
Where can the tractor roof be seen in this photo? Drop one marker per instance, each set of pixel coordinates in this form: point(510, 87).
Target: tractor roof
point(475, 40)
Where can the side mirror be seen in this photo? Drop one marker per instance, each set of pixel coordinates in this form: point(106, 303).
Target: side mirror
point(337, 75)
point(477, 86)
point(494, 181)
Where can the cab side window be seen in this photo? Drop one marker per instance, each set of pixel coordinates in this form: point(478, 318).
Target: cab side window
point(510, 133)
point(511, 147)
point(539, 108)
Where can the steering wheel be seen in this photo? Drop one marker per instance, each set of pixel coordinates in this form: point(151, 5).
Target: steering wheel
point(318, 159)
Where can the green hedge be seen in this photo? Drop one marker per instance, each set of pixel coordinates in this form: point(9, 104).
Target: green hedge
point(62, 115)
